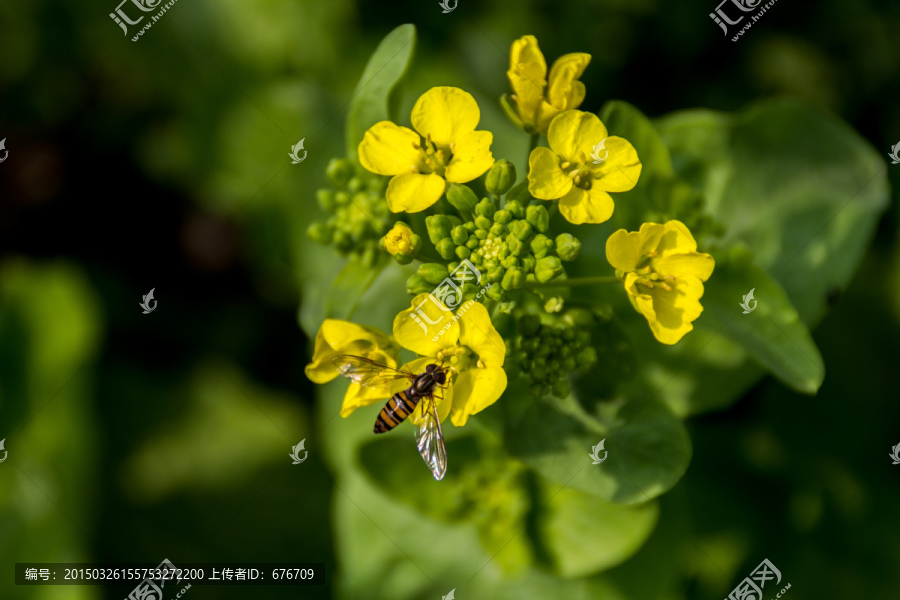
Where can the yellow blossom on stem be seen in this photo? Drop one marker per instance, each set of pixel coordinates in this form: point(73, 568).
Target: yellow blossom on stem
point(445, 147)
point(535, 102)
point(343, 337)
point(469, 346)
point(568, 171)
point(663, 275)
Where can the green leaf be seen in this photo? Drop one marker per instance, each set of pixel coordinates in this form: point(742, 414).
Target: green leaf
point(585, 535)
point(649, 448)
point(372, 99)
point(800, 188)
point(345, 291)
point(772, 333)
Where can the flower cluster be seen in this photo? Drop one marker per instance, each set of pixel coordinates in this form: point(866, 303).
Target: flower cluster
point(547, 353)
point(357, 214)
point(490, 253)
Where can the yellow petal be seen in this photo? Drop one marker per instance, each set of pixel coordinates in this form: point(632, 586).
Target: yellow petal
point(546, 180)
point(693, 264)
point(414, 192)
point(563, 91)
point(419, 327)
point(446, 114)
point(527, 75)
point(586, 206)
point(623, 250)
point(479, 334)
point(471, 157)
point(574, 133)
point(676, 238)
point(343, 337)
point(387, 149)
point(475, 390)
point(674, 311)
point(621, 169)
point(358, 396)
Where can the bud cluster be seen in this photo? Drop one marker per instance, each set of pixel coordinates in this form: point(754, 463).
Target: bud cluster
point(547, 353)
point(358, 215)
point(508, 245)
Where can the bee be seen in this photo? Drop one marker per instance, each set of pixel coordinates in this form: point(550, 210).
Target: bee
point(429, 437)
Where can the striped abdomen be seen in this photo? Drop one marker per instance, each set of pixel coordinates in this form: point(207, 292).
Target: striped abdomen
point(400, 406)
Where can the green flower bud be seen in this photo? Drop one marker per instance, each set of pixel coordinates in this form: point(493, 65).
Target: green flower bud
point(339, 170)
point(497, 229)
point(578, 318)
point(528, 264)
point(486, 209)
point(569, 365)
point(538, 217)
point(495, 292)
point(495, 274)
point(539, 373)
point(516, 209)
point(355, 184)
point(521, 230)
point(433, 273)
point(519, 193)
point(603, 312)
point(554, 304)
point(446, 248)
point(462, 252)
point(472, 243)
point(586, 357)
point(510, 262)
point(502, 216)
point(321, 233)
point(461, 197)
point(341, 199)
point(515, 245)
point(325, 198)
point(529, 325)
point(481, 234)
point(540, 245)
point(482, 223)
point(501, 177)
point(548, 268)
point(470, 226)
point(459, 235)
point(439, 227)
point(513, 280)
point(416, 284)
point(561, 388)
point(567, 246)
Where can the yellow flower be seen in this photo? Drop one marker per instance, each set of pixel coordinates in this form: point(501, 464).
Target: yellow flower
point(343, 337)
point(663, 275)
point(566, 170)
point(536, 103)
point(401, 243)
point(451, 150)
point(470, 347)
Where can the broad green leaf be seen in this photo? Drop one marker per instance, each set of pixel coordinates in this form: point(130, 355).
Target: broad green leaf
point(372, 99)
point(585, 535)
point(772, 333)
point(800, 188)
point(649, 448)
point(349, 285)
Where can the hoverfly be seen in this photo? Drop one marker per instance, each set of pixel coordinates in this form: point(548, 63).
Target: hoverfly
point(429, 437)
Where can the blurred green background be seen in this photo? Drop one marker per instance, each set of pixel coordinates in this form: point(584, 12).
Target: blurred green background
point(162, 164)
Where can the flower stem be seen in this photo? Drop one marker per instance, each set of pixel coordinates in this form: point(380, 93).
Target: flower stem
point(578, 281)
point(535, 138)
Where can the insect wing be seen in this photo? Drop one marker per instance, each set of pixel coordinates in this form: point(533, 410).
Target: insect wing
point(430, 440)
point(368, 373)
